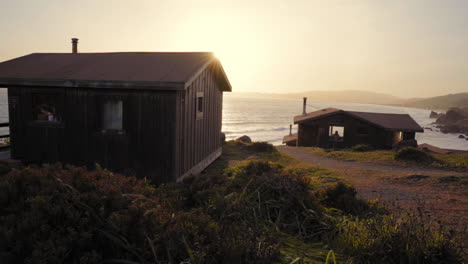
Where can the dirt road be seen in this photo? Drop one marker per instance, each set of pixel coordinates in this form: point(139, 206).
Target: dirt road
point(439, 193)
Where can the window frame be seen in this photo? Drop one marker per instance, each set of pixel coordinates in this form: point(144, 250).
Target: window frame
point(198, 105)
point(102, 99)
point(331, 134)
point(59, 104)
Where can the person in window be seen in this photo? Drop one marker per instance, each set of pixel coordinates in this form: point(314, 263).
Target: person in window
point(336, 136)
point(45, 113)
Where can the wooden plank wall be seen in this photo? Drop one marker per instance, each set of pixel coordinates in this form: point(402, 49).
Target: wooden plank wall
point(146, 149)
point(375, 137)
point(198, 138)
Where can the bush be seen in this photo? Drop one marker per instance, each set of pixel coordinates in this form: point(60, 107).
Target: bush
point(261, 147)
point(398, 239)
point(343, 197)
point(362, 148)
point(71, 215)
point(414, 155)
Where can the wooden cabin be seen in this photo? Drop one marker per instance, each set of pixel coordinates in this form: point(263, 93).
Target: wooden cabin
point(335, 128)
point(150, 114)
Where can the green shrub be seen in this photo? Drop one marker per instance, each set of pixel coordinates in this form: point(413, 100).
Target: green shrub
point(262, 193)
point(362, 148)
point(414, 155)
point(398, 239)
point(71, 215)
point(261, 147)
point(343, 197)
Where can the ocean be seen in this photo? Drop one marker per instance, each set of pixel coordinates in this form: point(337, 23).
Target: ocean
point(268, 119)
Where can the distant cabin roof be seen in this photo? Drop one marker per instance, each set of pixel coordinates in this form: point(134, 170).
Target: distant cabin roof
point(151, 70)
point(389, 122)
point(291, 138)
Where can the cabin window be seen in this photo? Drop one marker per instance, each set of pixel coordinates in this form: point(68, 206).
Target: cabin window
point(199, 104)
point(46, 108)
point(363, 131)
point(112, 115)
point(336, 133)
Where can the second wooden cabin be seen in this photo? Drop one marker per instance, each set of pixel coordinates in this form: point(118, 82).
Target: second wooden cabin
point(336, 128)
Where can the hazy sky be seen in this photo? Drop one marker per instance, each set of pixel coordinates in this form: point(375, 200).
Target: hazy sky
point(400, 47)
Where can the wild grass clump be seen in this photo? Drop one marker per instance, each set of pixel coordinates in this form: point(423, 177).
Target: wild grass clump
point(408, 238)
point(343, 197)
point(264, 147)
point(261, 193)
point(362, 148)
point(414, 155)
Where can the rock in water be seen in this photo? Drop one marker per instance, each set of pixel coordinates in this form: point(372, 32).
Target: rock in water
point(461, 136)
point(245, 139)
point(433, 114)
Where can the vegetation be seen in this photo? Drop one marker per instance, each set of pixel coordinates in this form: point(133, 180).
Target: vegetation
point(414, 155)
point(440, 102)
point(254, 205)
point(451, 160)
point(362, 148)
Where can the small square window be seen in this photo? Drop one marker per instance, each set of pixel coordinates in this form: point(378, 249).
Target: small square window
point(112, 115)
point(46, 108)
point(336, 133)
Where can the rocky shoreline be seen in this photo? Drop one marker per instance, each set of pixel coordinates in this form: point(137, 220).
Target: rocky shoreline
point(455, 120)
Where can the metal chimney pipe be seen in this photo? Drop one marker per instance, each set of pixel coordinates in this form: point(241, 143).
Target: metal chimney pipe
point(304, 108)
point(290, 130)
point(74, 45)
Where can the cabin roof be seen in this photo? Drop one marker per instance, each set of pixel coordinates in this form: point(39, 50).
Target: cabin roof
point(290, 138)
point(389, 122)
point(149, 70)
point(316, 114)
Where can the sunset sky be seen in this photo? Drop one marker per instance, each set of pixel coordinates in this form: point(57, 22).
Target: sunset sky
point(401, 47)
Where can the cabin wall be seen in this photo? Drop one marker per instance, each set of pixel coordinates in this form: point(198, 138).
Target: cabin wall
point(145, 147)
point(319, 135)
point(198, 139)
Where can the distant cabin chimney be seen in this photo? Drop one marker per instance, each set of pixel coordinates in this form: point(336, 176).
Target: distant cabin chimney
point(290, 130)
point(74, 45)
point(304, 108)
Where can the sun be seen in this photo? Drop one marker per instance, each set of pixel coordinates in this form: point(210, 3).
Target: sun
point(234, 42)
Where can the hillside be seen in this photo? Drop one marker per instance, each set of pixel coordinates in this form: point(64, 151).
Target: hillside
point(440, 102)
point(349, 96)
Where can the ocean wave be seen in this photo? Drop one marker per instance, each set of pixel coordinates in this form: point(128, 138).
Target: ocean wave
point(255, 130)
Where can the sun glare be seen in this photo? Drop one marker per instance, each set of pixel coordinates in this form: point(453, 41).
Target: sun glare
point(234, 43)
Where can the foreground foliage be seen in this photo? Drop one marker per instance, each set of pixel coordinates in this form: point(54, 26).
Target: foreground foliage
point(254, 212)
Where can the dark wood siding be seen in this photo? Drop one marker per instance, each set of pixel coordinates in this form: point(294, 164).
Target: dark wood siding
point(146, 148)
point(316, 133)
point(198, 137)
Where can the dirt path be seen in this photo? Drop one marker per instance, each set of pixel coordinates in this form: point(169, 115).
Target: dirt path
point(326, 162)
point(394, 186)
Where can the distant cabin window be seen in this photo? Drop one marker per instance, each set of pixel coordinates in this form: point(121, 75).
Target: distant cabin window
point(362, 131)
point(112, 115)
point(200, 105)
point(336, 133)
point(46, 108)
